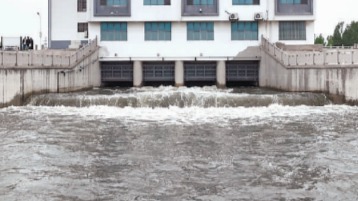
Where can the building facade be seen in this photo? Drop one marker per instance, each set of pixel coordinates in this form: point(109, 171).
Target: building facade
point(172, 31)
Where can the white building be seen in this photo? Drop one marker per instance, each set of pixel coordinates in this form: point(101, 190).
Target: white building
point(178, 33)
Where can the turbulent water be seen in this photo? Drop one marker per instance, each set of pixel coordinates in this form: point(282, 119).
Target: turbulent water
point(179, 144)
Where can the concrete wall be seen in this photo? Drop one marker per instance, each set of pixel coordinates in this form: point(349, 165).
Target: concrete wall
point(46, 58)
point(18, 83)
point(337, 80)
point(324, 57)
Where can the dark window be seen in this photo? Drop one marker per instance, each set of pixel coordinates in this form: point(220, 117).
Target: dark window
point(293, 1)
point(82, 27)
point(245, 2)
point(292, 30)
point(81, 5)
point(103, 2)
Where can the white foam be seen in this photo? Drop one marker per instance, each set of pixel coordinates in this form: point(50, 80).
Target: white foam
point(190, 115)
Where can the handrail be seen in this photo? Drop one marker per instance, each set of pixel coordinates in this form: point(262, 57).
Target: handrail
point(327, 57)
point(46, 58)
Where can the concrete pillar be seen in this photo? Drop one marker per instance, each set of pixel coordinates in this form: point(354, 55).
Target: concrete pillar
point(137, 74)
point(179, 73)
point(221, 74)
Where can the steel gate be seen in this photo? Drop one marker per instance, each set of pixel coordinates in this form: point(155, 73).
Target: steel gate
point(246, 71)
point(116, 71)
point(200, 71)
point(158, 71)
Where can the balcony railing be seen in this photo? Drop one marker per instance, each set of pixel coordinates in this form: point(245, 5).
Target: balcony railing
point(104, 8)
point(304, 8)
point(210, 8)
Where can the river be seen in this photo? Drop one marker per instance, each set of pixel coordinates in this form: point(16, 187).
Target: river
point(172, 143)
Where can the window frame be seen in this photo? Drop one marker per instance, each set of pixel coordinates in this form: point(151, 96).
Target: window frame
point(293, 2)
point(149, 3)
point(81, 5)
point(254, 3)
point(159, 30)
point(195, 31)
point(251, 34)
point(113, 34)
point(105, 3)
point(295, 34)
point(82, 27)
point(201, 2)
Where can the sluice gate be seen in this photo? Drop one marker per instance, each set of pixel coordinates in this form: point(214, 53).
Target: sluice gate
point(116, 72)
point(189, 73)
point(242, 72)
point(200, 71)
point(158, 72)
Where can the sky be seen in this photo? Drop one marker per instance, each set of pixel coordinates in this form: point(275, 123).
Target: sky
point(19, 17)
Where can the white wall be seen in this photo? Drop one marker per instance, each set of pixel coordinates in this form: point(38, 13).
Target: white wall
point(179, 46)
point(64, 20)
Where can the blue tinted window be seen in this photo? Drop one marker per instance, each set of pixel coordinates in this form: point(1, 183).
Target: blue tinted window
point(156, 2)
point(158, 30)
point(293, 1)
point(244, 31)
point(117, 2)
point(113, 31)
point(200, 2)
point(245, 2)
point(200, 30)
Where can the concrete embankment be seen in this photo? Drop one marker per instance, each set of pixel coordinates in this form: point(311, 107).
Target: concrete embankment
point(26, 74)
point(334, 72)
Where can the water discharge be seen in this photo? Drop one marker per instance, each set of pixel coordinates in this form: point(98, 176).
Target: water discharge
point(179, 144)
point(180, 97)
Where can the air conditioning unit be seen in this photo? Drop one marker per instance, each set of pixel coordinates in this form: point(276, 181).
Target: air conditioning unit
point(259, 16)
point(234, 17)
point(86, 34)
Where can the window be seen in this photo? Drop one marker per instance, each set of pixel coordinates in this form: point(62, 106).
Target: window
point(244, 31)
point(245, 2)
point(156, 2)
point(81, 5)
point(82, 27)
point(292, 30)
point(113, 2)
point(200, 30)
point(200, 2)
point(293, 1)
point(113, 31)
point(158, 31)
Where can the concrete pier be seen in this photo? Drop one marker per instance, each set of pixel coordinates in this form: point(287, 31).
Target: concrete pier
point(137, 74)
point(221, 74)
point(179, 73)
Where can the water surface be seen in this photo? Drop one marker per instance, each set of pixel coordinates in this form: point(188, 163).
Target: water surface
point(179, 144)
